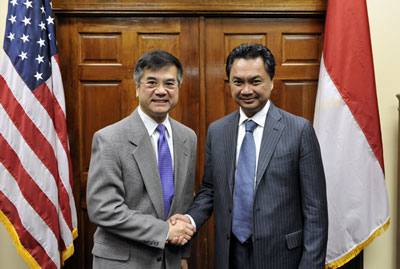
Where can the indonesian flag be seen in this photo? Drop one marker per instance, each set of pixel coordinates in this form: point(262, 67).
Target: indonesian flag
point(347, 125)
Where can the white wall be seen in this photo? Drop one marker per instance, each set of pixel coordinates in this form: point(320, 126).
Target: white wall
point(384, 24)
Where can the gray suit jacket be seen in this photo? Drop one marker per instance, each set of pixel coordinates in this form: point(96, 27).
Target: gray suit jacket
point(290, 226)
point(125, 199)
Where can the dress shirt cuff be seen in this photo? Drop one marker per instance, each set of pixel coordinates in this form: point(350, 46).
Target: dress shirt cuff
point(191, 220)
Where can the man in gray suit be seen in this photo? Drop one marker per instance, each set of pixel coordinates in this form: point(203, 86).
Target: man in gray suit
point(136, 182)
point(263, 177)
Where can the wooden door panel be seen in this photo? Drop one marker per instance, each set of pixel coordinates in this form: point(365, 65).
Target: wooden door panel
point(233, 40)
point(100, 48)
point(99, 55)
point(301, 48)
point(101, 106)
point(298, 97)
point(296, 44)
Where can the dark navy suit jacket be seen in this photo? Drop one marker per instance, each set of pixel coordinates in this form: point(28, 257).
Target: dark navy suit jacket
point(290, 228)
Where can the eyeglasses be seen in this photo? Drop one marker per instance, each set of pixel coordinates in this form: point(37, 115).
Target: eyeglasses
point(154, 84)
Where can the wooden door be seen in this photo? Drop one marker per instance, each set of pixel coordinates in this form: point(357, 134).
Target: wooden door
point(98, 54)
point(296, 44)
point(97, 58)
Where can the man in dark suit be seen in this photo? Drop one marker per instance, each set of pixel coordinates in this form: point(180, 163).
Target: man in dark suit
point(263, 177)
point(136, 182)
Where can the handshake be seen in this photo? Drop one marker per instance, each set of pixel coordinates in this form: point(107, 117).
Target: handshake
point(181, 230)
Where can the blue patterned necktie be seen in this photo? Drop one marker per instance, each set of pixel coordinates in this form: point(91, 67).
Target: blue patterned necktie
point(165, 169)
point(242, 222)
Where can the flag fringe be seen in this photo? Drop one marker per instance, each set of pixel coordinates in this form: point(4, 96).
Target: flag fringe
point(32, 263)
point(357, 249)
point(69, 250)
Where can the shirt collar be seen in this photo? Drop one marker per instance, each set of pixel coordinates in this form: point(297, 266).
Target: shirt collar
point(151, 124)
point(258, 118)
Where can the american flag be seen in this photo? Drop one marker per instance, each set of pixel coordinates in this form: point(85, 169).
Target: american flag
point(36, 201)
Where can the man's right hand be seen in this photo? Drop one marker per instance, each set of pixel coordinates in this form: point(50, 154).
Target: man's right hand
point(180, 231)
point(176, 217)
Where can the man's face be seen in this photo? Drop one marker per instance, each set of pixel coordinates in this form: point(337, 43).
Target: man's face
point(250, 84)
point(158, 92)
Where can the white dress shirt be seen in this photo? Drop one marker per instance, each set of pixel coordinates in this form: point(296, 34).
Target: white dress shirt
point(151, 127)
point(258, 118)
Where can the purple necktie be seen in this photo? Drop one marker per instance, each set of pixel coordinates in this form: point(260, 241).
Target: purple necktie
point(165, 169)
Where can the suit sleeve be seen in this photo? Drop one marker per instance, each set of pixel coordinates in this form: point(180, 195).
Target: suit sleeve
point(191, 173)
point(105, 199)
point(314, 201)
point(203, 203)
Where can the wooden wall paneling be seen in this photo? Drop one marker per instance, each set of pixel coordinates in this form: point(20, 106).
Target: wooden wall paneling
point(66, 27)
point(191, 6)
point(189, 55)
point(203, 243)
point(100, 48)
point(299, 97)
point(98, 55)
point(100, 42)
point(101, 106)
point(297, 46)
point(215, 98)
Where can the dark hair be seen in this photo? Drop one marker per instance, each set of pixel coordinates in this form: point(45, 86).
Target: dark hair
point(155, 60)
point(252, 51)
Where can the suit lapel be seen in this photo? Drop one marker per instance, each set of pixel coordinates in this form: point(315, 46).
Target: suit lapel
point(271, 134)
point(229, 146)
point(147, 162)
point(181, 153)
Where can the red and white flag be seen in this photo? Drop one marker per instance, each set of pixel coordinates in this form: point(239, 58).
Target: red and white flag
point(347, 124)
point(36, 201)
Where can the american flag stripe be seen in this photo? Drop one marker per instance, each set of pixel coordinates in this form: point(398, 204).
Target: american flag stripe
point(36, 200)
point(62, 147)
point(58, 92)
point(29, 189)
point(38, 144)
point(29, 160)
point(61, 128)
point(32, 252)
point(39, 135)
point(31, 169)
point(30, 221)
point(50, 104)
point(59, 110)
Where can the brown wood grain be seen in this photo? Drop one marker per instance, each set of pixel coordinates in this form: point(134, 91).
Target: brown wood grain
point(100, 42)
point(98, 57)
point(190, 6)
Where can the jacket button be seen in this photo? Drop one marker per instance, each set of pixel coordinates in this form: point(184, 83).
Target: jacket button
point(230, 210)
point(159, 259)
point(227, 237)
